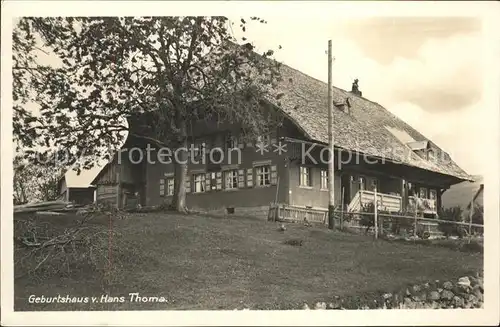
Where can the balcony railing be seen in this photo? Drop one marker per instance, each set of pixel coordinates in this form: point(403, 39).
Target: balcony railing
point(390, 203)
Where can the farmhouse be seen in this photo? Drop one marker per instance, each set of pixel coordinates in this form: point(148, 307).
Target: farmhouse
point(373, 149)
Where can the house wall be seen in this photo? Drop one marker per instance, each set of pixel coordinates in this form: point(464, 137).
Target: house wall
point(126, 175)
point(81, 195)
point(312, 196)
point(107, 193)
point(242, 199)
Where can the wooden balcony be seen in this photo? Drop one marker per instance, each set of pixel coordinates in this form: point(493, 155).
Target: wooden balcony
point(391, 203)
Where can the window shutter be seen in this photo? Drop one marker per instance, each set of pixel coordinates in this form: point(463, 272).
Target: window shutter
point(162, 187)
point(274, 175)
point(219, 180)
point(250, 177)
point(241, 178)
point(188, 184)
point(213, 180)
point(207, 182)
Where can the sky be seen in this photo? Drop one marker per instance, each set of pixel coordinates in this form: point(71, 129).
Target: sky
point(425, 70)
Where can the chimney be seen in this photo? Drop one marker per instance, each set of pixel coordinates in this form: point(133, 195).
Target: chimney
point(355, 88)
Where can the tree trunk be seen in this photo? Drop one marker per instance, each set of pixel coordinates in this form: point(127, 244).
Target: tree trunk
point(181, 169)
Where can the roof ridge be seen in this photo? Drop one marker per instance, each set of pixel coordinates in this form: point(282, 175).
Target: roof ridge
point(335, 87)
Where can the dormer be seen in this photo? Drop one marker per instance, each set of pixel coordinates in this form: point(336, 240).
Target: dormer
point(344, 106)
point(423, 149)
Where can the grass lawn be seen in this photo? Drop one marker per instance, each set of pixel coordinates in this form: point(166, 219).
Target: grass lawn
point(200, 262)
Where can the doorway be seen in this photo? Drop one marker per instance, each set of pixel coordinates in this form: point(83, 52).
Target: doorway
point(345, 184)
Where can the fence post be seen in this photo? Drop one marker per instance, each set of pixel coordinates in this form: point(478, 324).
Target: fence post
point(415, 223)
point(376, 213)
point(471, 212)
point(342, 212)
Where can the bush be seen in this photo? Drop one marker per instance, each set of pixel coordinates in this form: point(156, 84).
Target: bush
point(367, 220)
point(453, 214)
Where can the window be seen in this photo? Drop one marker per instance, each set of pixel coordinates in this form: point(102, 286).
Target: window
point(199, 183)
point(374, 184)
point(231, 177)
point(213, 181)
point(162, 187)
point(305, 176)
point(324, 179)
point(422, 193)
point(362, 183)
point(170, 186)
point(264, 140)
point(262, 175)
point(198, 148)
point(432, 194)
point(231, 142)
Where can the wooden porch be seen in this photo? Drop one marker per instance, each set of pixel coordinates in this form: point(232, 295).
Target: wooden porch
point(392, 203)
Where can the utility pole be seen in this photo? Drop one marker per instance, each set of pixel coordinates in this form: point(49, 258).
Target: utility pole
point(331, 176)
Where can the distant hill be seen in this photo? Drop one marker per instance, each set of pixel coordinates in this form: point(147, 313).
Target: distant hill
point(461, 194)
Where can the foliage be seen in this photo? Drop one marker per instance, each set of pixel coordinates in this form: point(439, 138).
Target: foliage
point(453, 214)
point(367, 220)
point(171, 70)
point(478, 214)
point(458, 214)
point(34, 182)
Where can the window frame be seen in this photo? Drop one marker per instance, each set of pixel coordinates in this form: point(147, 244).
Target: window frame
point(199, 179)
point(324, 179)
point(260, 175)
point(264, 139)
point(231, 179)
point(420, 189)
point(231, 141)
point(305, 172)
point(362, 182)
point(433, 191)
point(198, 148)
point(170, 186)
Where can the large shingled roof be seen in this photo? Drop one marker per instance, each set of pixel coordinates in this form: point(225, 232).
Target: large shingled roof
point(367, 127)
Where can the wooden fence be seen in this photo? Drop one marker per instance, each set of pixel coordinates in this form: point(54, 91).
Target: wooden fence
point(378, 223)
point(290, 213)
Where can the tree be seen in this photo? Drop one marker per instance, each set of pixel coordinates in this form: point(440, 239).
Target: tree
point(35, 182)
point(168, 67)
